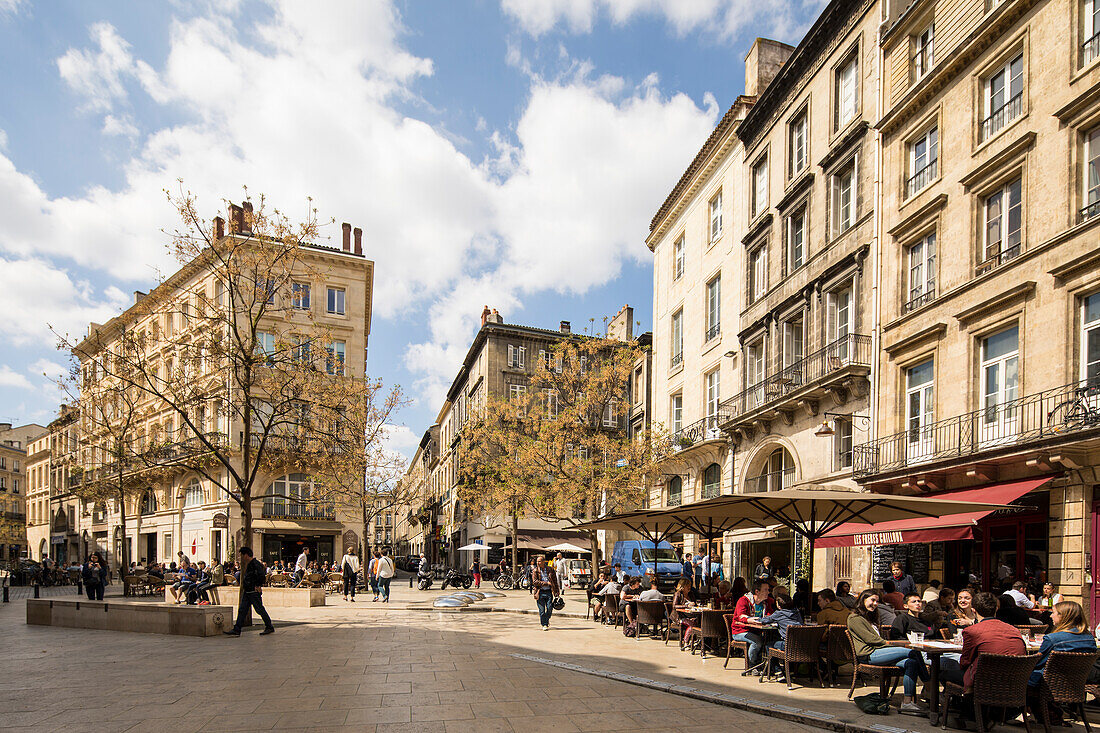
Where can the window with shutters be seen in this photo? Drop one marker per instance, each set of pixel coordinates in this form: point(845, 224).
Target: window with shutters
point(846, 92)
point(716, 217)
point(844, 198)
point(516, 356)
point(797, 145)
point(714, 308)
point(760, 187)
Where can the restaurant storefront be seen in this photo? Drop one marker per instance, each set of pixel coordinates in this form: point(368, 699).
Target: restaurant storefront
point(986, 550)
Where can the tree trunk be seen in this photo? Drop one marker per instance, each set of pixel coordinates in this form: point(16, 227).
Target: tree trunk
point(124, 562)
point(246, 541)
point(515, 539)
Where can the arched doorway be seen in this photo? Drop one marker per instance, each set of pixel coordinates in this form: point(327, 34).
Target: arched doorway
point(772, 474)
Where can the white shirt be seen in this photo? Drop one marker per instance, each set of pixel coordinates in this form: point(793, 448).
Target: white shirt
point(301, 563)
point(651, 595)
point(384, 569)
point(351, 560)
point(1021, 600)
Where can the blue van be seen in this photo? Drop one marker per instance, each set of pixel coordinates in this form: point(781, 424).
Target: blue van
point(637, 557)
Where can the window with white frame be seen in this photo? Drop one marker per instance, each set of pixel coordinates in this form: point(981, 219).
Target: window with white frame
point(299, 296)
point(1003, 96)
point(758, 272)
point(1003, 213)
point(754, 364)
point(846, 92)
point(919, 406)
point(1092, 175)
point(611, 414)
point(677, 344)
point(676, 412)
point(193, 496)
point(335, 358)
point(796, 240)
point(922, 272)
point(797, 144)
point(678, 258)
point(924, 154)
point(794, 345)
point(760, 187)
point(713, 396)
point(1090, 46)
point(516, 356)
point(844, 197)
point(552, 406)
point(300, 350)
point(714, 308)
point(716, 216)
point(336, 301)
point(675, 491)
point(1000, 375)
point(265, 345)
point(842, 440)
point(517, 392)
point(838, 314)
point(922, 53)
point(1090, 339)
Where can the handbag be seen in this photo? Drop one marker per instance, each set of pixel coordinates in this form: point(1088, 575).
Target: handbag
point(873, 704)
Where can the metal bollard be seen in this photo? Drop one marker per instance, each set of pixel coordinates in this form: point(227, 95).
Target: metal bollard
point(5, 594)
point(79, 588)
point(36, 587)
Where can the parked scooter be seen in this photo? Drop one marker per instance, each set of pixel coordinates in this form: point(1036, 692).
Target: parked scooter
point(424, 578)
point(455, 579)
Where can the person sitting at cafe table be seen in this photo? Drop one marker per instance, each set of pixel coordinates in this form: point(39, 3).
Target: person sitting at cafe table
point(890, 595)
point(597, 593)
point(931, 593)
point(963, 611)
point(885, 611)
point(830, 611)
point(1012, 614)
point(1018, 592)
point(844, 594)
point(628, 598)
point(1071, 634)
point(871, 648)
point(757, 604)
point(988, 635)
point(653, 593)
point(908, 620)
point(724, 598)
point(784, 617)
point(903, 581)
point(939, 612)
point(609, 594)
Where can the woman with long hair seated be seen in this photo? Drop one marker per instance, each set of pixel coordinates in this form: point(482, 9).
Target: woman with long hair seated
point(871, 648)
point(1071, 634)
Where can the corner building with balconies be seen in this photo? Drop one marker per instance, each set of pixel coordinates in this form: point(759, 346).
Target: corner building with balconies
point(989, 367)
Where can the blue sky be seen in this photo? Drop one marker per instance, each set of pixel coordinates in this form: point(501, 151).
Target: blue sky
point(501, 152)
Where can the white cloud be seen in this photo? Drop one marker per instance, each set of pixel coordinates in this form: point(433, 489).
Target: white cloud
point(122, 126)
point(9, 8)
point(52, 370)
point(11, 378)
point(402, 440)
point(722, 19)
point(98, 75)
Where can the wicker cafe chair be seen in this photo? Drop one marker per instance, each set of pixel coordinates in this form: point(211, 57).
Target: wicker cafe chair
point(652, 614)
point(1064, 682)
point(1000, 680)
point(588, 602)
point(803, 647)
point(610, 609)
point(838, 651)
point(885, 673)
point(711, 626)
point(732, 643)
point(277, 580)
point(131, 585)
point(334, 583)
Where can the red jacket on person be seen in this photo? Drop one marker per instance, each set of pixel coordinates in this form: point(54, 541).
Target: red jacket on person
point(746, 608)
point(992, 637)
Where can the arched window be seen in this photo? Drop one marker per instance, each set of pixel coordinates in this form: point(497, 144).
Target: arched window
point(712, 477)
point(99, 512)
point(194, 495)
point(148, 503)
point(777, 472)
point(675, 491)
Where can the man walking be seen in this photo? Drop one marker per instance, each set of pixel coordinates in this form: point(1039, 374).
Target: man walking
point(253, 576)
point(384, 570)
point(544, 585)
point(349, 564)
point(301, 565)
point(372, 575)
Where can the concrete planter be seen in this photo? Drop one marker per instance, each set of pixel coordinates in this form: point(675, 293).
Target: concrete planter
point(273, 597)
point(144, 618)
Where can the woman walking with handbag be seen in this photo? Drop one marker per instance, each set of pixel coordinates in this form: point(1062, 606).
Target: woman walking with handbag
point(349, 566)
point(545, 587)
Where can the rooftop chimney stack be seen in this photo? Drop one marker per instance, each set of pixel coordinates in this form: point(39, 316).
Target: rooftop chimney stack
point(219, 228)
point(763, 62)
point(246, 218)
point(564, 327)
point(358, 241)
point(236, 219)
point(347, 236)
point(494, 317)
point(485, 315)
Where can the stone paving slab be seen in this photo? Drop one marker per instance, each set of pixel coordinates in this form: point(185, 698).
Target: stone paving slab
point(372, 667)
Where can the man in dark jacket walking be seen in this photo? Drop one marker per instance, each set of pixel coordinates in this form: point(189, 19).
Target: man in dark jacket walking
point(253, 576)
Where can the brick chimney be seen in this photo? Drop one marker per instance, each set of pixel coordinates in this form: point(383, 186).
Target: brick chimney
point(236, 219)
point(358, 240)
point(219, 228)
point(246, 218)
point(485, 315)
point(347, 236)
point(494, 317)
point(564, 327)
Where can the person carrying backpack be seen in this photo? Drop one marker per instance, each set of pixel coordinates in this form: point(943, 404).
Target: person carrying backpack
point(253, 577)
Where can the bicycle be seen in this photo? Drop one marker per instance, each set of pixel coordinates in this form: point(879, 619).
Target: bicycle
point(1073, 413)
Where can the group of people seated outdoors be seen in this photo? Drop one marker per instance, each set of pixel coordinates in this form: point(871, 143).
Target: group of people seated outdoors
point(883, 621)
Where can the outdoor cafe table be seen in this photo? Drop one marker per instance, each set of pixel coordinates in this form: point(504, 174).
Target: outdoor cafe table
point(936, 649)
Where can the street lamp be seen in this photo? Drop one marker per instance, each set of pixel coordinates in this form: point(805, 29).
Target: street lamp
point(826, 429)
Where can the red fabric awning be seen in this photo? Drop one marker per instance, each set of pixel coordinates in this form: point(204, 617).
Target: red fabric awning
point(950, 527)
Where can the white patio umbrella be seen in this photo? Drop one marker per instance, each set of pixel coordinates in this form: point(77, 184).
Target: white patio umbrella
point(566, 547)
point(474, 547)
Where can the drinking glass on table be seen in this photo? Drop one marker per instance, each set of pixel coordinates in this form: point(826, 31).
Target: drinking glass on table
point(912, 637)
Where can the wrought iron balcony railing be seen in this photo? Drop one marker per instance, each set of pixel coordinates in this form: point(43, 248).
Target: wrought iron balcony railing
point(714, 331)
point(1045, 416)
point(921, 178)
point(676, 360)
point(698, 432)
point(996, 260)
point(1088, 212)
point(290, 509)
point(1001, 116)
point(853, 350)
point(913, 303)
point(771, 481)
point(1090, 49)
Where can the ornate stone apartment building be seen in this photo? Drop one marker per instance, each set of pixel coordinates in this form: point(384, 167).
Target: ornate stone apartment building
point(14, 443)
point(181, 510)
point(52, 510)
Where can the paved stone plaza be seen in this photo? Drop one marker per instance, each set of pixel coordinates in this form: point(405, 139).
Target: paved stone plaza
point(367, 667)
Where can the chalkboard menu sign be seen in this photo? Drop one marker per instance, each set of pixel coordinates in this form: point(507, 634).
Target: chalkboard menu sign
point(913, 559)
point(937, 551)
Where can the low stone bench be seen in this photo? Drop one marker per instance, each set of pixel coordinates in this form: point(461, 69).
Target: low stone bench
point(273, 597)
point(148, 618)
